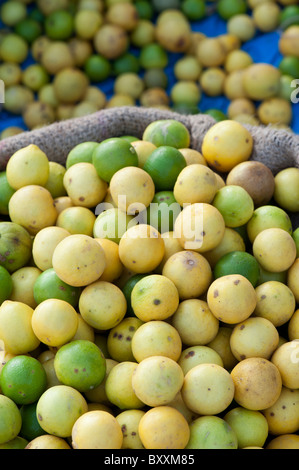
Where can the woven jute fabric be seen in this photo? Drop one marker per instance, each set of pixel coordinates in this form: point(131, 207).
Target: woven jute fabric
point(276, 148)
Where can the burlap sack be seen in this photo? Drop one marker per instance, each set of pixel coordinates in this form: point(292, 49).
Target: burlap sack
point(278, 149)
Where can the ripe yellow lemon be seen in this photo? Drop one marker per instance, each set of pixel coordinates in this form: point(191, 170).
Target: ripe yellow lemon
point(226, 144)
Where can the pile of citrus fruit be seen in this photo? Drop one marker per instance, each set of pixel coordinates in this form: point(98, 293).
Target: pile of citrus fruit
point(64, 59)
point(148, 295)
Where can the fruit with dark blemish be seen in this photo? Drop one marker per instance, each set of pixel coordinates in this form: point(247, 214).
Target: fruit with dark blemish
point(15, 246)
point(119, 339)
point(80, 364)
point(49, 285)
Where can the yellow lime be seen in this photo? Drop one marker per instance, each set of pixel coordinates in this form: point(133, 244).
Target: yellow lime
point(48, 441)
point(79, 260)
point(154, 297)
point(11, 420)
point(97, 429)
point(226, 144)
point(58, 409)
point(114, 266)
point(102, 305)
point(77, 220)
point(29, 165)
point(54, 322)
point(141, 248)
point(16, 329)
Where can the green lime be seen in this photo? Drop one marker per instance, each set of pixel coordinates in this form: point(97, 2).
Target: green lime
point(129, 138)
point(6, 284)
point(296, 239)
point(185, 108)
point(289, 65)
point(113, 154)
point(285, 87)
point(164, 165)
point(161, 5)
point(234, 204)
point(16, 443)
point(266, 276)
point(162, 211)
point(23, 379)
point(55, 180)
point(154, 78)
point(81, 153)
point(126, 63)
point(194, 10)
point(167, 132)
point(37, 15)
point(29, 29)
point(97, 68)
point(6, 191)
point(80, 364)
point(30, 426)
point(229, 8)
point(238, 262)
point(144, 9)
point(127, 290)
point(217, 114)
point(59, 25)
point(153, 56)
point(268, 216)
point(12, 12)
point(35, 76)
point(10, 419)
point(13, 48)
point(242, 230)
point(289, 16)
point(49, 286)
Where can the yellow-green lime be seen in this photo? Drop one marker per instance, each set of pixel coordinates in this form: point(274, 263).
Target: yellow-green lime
point(167, 132)
point(163, 211)
point(58, 409)
point(80, 364)
point(10, 419)
point(49, 286)
point(16, 443)
point(23, 379)
point(81, 153)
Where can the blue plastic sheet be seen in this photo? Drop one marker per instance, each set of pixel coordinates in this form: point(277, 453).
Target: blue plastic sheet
point(262, 48)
